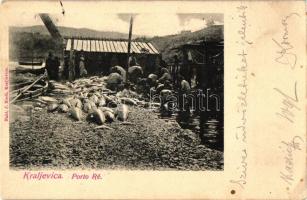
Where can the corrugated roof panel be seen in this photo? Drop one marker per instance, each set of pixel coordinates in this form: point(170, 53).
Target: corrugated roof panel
point(79, 45)
point(75, 44)
point(89, 48)
point(112, 43)
point(105, 46)
point(141, 47)
point(152, 47)
point(101, 46)
point(108, 46)
point(144, 46)
point(88, 45)
point(111, 46)
point(119, 47)
point(134, 48)
point(97, 46)
point(93, 45)
point(68, 45)
point(84, 45)
point(81, 42)
point(137, 46)
point(124, 45)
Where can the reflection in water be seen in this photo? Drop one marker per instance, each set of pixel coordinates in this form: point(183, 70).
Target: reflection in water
point(211, 133)
point(209, 129)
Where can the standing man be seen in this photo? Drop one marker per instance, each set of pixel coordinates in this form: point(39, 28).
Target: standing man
point(184, 104)
point(83, 71)
point(72, 70)
point(56, 67)
point(66, 66)
point(174, 70)
point(133, 60)
point(50, 65)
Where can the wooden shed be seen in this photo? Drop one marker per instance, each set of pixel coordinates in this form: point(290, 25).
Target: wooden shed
point(101, 54)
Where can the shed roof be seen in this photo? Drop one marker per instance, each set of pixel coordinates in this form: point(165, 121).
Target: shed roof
point(111, 46)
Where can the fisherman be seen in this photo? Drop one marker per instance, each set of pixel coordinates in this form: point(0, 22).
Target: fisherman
point(50, 65)
point(166, 108)
point(132, 60)
point(71, 67)
point(159, 64)
point(83, 71)
point(115, 81)
point(66, 65)
point(152, 80)
point(121, 71)
point(135, 72)
point(56, 67)
point(165, 76)
point(184, 104)
point(142, 86)
point(175, 69)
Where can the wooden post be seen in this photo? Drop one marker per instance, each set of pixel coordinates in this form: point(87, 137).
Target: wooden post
point(71, 75)
point(129, 45)
point(32, 49)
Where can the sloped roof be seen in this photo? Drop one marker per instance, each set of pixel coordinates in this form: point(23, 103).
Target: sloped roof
point(111, 46)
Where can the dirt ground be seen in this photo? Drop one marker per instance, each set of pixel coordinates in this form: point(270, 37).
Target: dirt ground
point(54, 140)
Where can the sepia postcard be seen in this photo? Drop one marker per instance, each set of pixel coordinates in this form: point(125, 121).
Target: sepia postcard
point(153, 99)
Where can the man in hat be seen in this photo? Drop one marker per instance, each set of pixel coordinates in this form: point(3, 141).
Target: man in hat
point(83, 71)
point(132, 60)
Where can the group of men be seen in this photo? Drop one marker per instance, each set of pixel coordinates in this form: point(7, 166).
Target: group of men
point(161, 79)
point(162, 82)
point(53, 64)
point(79, 66)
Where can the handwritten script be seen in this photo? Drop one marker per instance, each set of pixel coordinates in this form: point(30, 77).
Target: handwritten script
point(242, 84)
point(289, 148)
point(285, 53)
point(289, 103)
point(289, 99)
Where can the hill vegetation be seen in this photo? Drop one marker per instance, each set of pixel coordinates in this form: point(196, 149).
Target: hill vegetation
point(167, 44)
point(36, 40)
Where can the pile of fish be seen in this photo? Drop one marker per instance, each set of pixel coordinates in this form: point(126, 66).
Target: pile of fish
point(89, 99)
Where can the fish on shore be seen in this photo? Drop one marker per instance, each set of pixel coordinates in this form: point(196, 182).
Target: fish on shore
point(76, 113)
point(122, 112)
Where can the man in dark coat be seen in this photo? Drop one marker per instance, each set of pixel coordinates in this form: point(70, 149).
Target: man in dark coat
point(56, 68)
point(132, 60)
point(50, 65)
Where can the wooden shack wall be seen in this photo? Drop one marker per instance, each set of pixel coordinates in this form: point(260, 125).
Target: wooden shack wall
point(101, 62)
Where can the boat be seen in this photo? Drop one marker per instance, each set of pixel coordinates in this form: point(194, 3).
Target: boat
point(29, 90)
point(34, 63)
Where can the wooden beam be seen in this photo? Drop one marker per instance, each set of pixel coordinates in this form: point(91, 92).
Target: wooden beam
point(71, 75)
point(129, 46)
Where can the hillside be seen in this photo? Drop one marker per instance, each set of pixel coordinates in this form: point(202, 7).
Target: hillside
point(67, 31)
point(167, 43)
point(36, 40)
